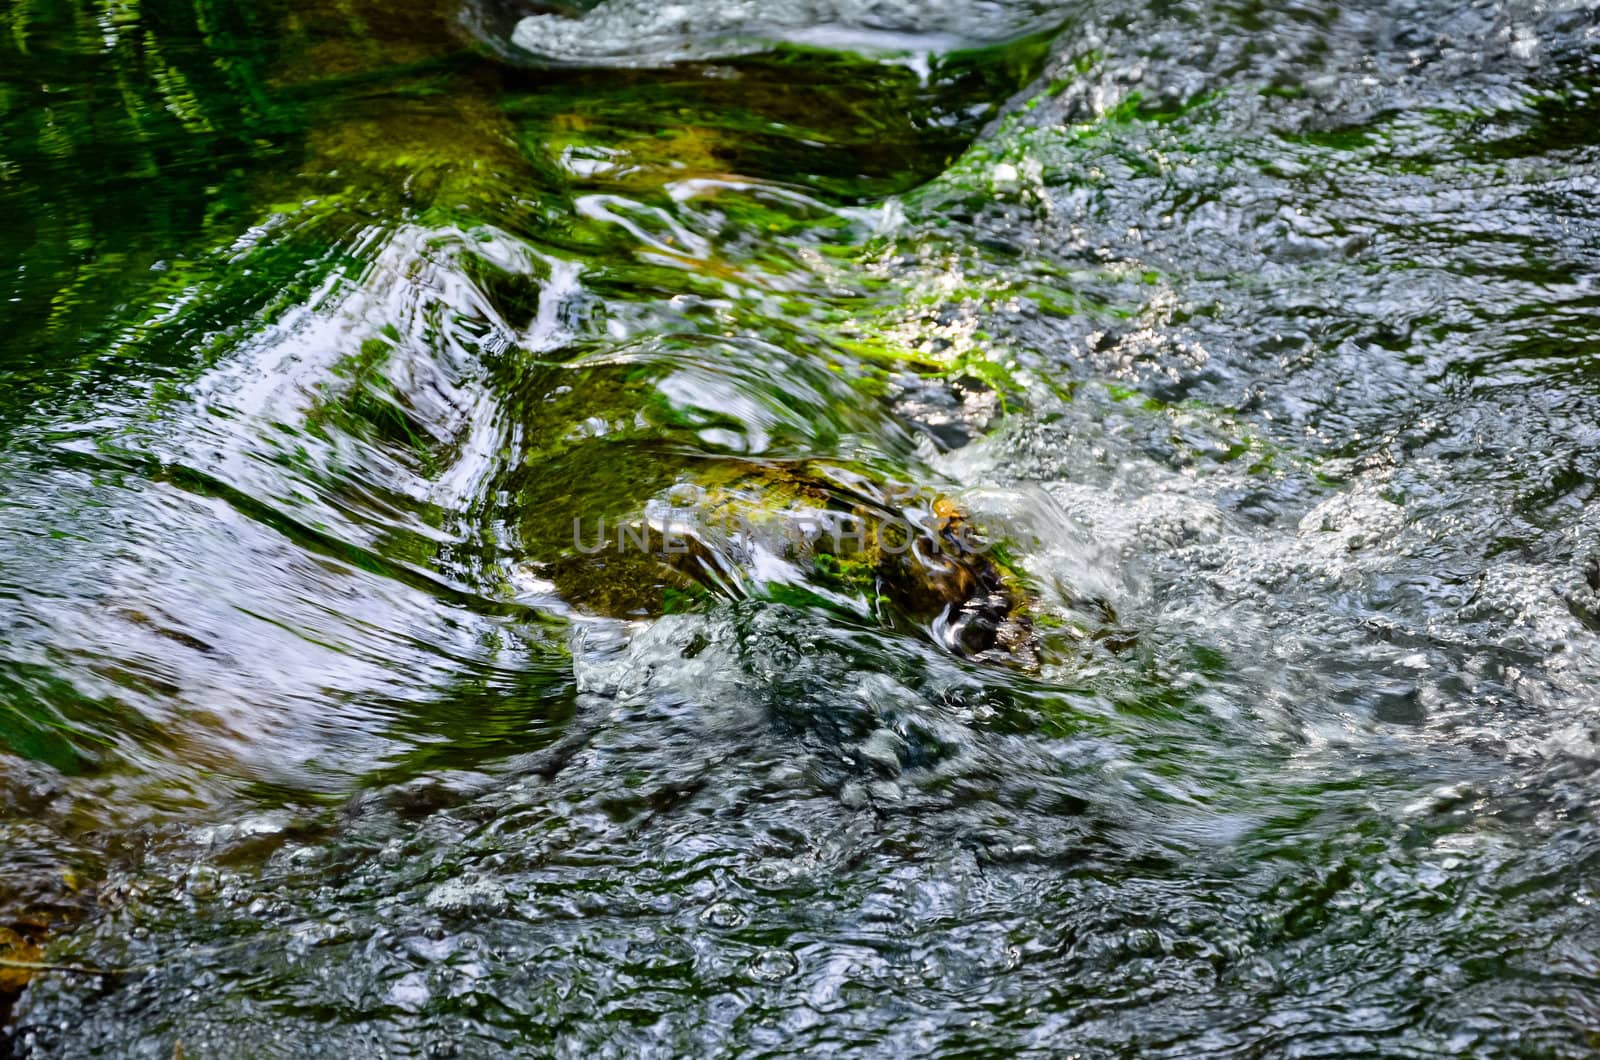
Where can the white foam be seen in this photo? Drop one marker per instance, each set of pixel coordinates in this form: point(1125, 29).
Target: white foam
point(639, 33)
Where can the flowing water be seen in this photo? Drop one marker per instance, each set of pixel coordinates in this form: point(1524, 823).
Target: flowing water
point(1261, 341)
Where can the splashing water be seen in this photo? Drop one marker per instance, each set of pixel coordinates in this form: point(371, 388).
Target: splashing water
point(1255, 344)
point(630, 33)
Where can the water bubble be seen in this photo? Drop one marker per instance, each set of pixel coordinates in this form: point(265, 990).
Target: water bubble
point(773, 965)
point(203, 881)
point(725, 915)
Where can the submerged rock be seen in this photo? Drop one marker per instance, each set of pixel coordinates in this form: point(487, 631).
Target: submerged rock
point(818, 531)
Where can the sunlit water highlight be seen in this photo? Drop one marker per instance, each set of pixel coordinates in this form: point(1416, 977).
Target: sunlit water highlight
point(1261, 342)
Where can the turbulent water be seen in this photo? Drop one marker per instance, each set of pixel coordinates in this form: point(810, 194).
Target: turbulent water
point(1262, 340)
point(639, 33)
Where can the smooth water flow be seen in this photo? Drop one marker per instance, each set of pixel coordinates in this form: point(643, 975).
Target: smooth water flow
point(738, 528)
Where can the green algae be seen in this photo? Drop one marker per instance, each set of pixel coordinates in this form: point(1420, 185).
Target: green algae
point(1188, 828)
point(706, 210)
point(346, 132)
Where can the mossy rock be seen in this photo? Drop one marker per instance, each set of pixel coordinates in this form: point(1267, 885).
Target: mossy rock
point(826, 533)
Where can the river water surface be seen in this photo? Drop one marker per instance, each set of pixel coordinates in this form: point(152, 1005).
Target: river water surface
point(1265, 339)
